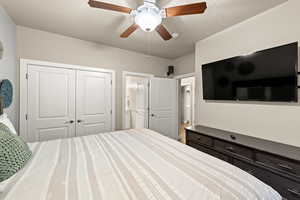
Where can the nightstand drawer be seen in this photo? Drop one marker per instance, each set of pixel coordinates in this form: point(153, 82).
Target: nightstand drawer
point(234, 149)
point(199, 139)
point(279, 163)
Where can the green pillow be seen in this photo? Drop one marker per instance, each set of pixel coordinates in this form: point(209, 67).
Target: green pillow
point(14, 153)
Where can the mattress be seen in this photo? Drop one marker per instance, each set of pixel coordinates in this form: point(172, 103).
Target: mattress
point(137, 164)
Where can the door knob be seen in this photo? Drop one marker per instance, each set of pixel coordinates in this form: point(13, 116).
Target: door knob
point(152, 115)
point(79, 121)
point(69, 122)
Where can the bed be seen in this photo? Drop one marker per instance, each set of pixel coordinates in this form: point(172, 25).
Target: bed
point(137, 164)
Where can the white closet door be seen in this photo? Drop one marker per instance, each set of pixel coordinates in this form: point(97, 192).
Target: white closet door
point(93, 106)
point(163, 106)
point(51, 103)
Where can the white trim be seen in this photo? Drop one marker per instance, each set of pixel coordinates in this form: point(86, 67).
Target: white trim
point(23, 99)
point(24, 88)
point(124, 74)
point(185, 75)
point(66, 66)
point(177, 108)
point(179, 77)
point(113, 100)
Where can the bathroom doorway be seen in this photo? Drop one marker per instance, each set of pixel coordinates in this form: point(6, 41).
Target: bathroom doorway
point(135, 100)
point(186, 105)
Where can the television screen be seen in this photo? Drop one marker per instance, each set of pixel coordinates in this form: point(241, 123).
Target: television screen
point(268, 75)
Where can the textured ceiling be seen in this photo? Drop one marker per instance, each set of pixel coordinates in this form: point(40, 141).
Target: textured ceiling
point(75, 18)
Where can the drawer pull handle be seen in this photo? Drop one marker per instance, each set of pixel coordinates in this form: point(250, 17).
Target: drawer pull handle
point(231, 149)
point(295, 192)
point(285, 167)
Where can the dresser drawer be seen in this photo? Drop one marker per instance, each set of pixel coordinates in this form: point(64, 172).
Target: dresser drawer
point(209, 151)
point(234, 149)
point(199, 139)
point(251, 169)
point(285, 187)
point(279, 163)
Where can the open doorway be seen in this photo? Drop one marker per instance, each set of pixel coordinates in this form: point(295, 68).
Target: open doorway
point(186, 104)
point(135, 100)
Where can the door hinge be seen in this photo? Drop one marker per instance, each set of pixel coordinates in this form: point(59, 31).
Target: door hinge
point(111, 112)
point(111, 82)
point(148, 84)
point(26, 117)
point(26, 76)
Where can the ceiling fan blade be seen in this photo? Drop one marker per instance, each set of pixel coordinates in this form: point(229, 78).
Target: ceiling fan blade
point(130, 30)
point(163, 32)
point(108, 6)
point(189, 9)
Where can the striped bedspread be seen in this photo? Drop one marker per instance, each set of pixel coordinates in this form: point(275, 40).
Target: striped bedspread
point(129, 165)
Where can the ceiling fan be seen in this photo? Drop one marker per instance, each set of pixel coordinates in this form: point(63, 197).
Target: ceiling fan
point(149, 16)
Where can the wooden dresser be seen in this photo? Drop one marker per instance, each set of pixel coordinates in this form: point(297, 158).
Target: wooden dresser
point(276, 164)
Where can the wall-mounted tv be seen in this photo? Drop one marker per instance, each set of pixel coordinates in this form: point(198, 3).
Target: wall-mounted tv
point(268, 75)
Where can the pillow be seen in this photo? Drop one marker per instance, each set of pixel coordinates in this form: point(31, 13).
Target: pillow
point(14, 153)
point(5, 120)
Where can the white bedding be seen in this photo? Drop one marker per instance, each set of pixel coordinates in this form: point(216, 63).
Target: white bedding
point(133, 164)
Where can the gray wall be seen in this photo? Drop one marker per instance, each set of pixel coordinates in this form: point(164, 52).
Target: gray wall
point(45, 46)
point(273, 121)
point(8, 65)
point(184, 64)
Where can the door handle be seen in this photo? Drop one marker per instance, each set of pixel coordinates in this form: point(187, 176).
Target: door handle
point(152, 115)
point(69, 122)
point(79, 121)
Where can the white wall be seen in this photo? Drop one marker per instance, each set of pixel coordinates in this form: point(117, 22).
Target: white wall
point(8, 66)
point(277, 122)
point(184, 64)
point(40, 45)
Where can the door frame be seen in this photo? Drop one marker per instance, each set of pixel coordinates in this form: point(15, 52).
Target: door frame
point(124, 75)
point(24, 88)
point(185, 76)
point(178, 78)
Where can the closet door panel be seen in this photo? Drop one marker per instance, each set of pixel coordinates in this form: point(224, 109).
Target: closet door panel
point(51, 103)
point(93, 105)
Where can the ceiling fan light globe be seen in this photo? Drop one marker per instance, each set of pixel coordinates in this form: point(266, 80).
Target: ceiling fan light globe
point(148, 19)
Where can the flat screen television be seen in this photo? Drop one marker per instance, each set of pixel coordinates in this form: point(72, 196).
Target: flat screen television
point(268, 75)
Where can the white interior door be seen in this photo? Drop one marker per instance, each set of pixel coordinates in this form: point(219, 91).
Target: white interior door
point(163, 106)
point(94, 103)
point(142, 114)
point(51, 103)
